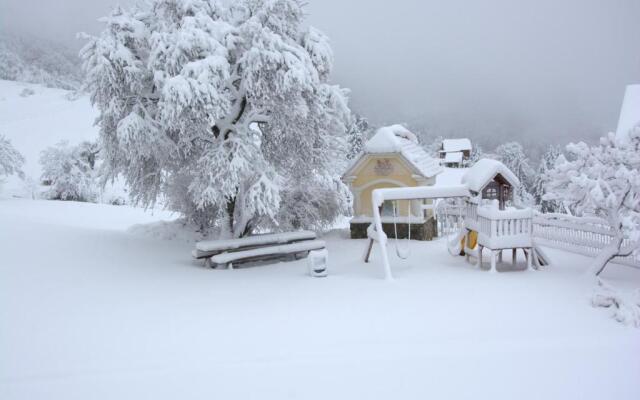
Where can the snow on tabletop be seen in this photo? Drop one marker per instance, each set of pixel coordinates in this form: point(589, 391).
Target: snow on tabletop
point(629, 113)
point(102, 314)
point(397, 139)
point(453, 145)
point(484, 171)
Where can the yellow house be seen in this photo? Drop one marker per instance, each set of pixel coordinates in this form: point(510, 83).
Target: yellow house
point(392, 158)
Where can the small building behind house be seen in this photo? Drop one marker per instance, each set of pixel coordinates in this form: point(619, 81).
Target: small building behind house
point(392, 158)
point(455, 153)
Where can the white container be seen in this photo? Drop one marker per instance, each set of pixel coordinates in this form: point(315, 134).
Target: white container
point(317, 262)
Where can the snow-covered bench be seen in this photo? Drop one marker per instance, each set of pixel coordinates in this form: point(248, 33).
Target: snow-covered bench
point(298, 250)
point(257, 248)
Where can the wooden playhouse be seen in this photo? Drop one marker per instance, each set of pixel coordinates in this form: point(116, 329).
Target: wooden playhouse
point(392, 158)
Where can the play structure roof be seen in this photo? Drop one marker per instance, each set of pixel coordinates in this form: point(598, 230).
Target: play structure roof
point(483, 172)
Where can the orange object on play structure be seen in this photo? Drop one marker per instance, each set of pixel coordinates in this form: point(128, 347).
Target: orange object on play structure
point(473, 241)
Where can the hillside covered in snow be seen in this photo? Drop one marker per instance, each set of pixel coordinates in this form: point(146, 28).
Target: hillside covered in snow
point(39, 61)
point(34, 117)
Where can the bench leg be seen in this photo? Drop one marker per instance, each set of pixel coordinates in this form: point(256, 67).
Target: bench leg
point(207, 263)
point(230, 265)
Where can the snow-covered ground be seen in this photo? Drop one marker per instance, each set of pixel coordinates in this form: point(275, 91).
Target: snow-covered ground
point(92, 310)
point(40, 120)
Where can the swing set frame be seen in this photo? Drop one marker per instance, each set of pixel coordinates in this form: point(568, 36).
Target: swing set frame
point(379, 196)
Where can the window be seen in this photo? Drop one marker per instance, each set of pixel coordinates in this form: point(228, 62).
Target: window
point(491, 191)
point(387, 208)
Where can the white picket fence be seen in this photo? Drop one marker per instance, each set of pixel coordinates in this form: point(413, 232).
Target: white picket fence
point(587, 236)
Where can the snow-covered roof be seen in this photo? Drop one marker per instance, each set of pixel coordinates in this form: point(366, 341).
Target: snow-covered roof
point(454, 157)
point(397, 139)
point(629, 114)
point(449, 145)
point(484, 171)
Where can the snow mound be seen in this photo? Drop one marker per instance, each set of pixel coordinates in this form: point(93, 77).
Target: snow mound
point(397, 139)
point(485, 170)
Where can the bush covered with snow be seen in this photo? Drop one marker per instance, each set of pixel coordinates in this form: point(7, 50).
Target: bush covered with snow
point(224, 109)
point(70, 171)
point(11, 161)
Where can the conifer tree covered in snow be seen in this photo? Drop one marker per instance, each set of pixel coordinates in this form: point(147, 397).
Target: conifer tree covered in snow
point(541, 178)
point(476, 154)
point(224, 109)
point(356, 135)
point(11, 161)
point(603, 181)
point(511, 154)
point(70, 171)
point(434, 146)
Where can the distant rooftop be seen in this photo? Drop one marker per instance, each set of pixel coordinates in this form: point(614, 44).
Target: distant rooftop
point(452, 145)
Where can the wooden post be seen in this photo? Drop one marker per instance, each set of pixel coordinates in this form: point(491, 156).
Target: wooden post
point(529, 260)
point(479, 262)
point(368, 253)
point(493, 261)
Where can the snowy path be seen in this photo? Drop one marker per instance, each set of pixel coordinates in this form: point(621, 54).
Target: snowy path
point(90, 311)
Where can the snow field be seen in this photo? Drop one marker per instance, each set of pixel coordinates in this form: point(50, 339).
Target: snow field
point(91, 310)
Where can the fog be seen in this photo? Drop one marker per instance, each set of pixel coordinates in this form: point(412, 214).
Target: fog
point(538, 71)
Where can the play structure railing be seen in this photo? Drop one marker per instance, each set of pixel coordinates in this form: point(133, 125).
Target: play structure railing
point(501, 228)
point(586, 236)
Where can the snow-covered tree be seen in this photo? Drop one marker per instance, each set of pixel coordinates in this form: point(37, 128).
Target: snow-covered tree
point(476, 154)
point(356, 135)
point(603, 181)
point(70, 172)
point(512, 155)
point(434, 146)
point(11, 161)
point(224, 109)
point(547, 163)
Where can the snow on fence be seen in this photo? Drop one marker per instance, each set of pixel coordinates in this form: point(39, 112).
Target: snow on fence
point(450, 218)
point(587, 236)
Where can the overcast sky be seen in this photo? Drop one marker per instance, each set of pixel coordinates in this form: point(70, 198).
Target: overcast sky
point(550, 70)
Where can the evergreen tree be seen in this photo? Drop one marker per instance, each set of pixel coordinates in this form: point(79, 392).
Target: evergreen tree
point(356, 135)
point(476, 154)
point(224, 109)
point(541, 179)
point(511, 154)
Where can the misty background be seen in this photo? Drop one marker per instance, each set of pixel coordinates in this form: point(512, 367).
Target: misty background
point(535, 71)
